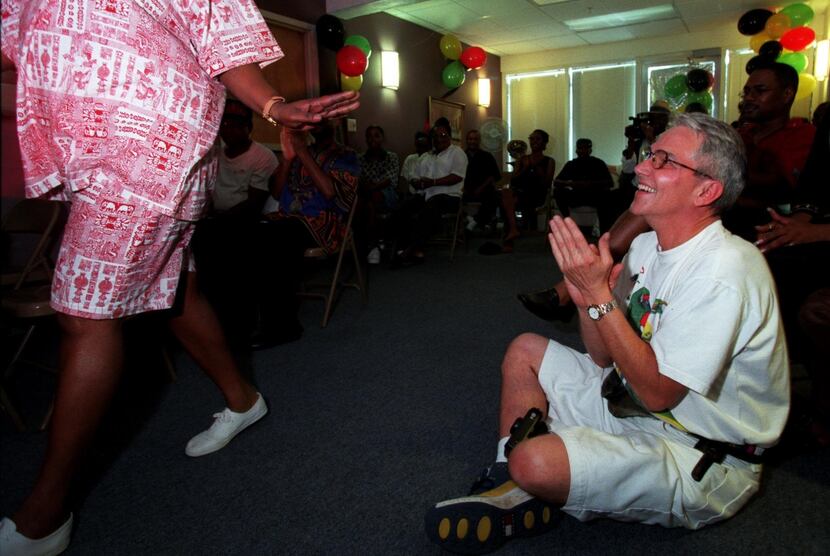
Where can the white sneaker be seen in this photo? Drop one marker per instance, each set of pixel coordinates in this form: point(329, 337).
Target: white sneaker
point(226, 425)
point(13, 543)
point(374, 256)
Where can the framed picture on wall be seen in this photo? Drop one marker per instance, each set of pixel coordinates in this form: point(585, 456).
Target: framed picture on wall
point(453, 111)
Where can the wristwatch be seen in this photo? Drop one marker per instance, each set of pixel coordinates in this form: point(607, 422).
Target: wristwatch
point(596, 312)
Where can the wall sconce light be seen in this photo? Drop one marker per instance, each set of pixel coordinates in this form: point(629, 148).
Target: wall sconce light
point(390, 76)
point(484, 92)
point(822, 59)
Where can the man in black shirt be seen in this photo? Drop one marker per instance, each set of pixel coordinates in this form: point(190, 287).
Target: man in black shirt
point(480, 181)
point(585, 181)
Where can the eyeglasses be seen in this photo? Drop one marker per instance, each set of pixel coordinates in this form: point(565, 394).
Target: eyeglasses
point(442, 135)
point(661, 158)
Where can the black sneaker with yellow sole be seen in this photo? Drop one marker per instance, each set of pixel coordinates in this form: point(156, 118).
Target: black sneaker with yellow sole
point(485, 519)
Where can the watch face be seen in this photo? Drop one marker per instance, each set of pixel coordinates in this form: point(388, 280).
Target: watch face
point(593, 312)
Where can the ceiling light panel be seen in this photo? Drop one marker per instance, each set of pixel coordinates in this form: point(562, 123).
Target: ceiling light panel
point(618, 19)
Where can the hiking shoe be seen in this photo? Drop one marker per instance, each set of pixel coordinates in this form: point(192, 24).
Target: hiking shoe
point(226, 425)
point(487, 518)
point(13, 543)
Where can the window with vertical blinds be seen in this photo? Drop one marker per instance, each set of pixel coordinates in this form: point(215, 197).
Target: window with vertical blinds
point(540, 101)
point(602, 102)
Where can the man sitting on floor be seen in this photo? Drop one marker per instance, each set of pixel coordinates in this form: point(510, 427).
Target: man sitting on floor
point(685, 382)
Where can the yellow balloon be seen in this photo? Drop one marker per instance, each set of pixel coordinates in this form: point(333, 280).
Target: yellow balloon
point(777, 25)
point(806, 85)
point(758, 40)
point(351, 83)
point(450, 47)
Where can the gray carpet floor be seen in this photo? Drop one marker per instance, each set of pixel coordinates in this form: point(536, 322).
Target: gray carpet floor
point(388, 410)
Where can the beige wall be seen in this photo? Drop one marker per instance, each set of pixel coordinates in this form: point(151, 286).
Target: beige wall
point(403, 112)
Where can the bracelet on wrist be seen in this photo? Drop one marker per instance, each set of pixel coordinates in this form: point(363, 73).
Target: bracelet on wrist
point(266, 110)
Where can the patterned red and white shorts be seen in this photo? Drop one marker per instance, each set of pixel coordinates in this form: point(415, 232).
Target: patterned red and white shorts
point(118, 257)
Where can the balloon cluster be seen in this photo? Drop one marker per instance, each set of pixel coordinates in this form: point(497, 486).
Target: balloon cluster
point(472, 57)
point(692, 87)
point(780, 37)
point(353, 52)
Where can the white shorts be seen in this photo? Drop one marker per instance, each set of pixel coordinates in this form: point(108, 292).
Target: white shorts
point(637, 468)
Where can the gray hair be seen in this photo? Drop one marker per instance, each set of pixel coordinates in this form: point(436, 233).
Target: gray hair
point(722, 155)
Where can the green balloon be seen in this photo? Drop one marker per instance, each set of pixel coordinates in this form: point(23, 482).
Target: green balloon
point(799, 14)
point(798, 60)
point(453, 75)
point(705, 98)
point(361, 42)
point(676, 86)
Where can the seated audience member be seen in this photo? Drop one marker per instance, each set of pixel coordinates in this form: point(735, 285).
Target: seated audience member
point(439, 175)
point(410, 164)
point(315, 185)
point(378, 189)
point(776, 145)
point(529, 186)
point(776, 153)
point(646, 426)
point(222, 241)
point(797, 248)
point(585, 181)
point(244, 166)
point(480, 181)
point(629, 160)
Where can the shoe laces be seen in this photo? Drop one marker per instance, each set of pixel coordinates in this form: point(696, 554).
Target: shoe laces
point(490, 478)
point(222, 417)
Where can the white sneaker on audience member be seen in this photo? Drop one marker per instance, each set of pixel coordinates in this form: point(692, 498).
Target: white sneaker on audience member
point(226, 425)
point(13, 543)
point(374, 256)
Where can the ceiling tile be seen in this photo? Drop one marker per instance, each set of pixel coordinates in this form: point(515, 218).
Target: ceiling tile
point(639, 31)
point(520, 26)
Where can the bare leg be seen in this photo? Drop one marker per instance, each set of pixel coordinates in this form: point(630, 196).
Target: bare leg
point(91, 360)
point(520, 389)
point(508, 202)
point(538, 465)
point(198, 330)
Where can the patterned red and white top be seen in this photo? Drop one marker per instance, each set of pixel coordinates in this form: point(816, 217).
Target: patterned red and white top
point(124, 91)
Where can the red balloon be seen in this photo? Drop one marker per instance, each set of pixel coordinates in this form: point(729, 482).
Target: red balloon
point(473, 57)
point(351, 60)
point(798, 38)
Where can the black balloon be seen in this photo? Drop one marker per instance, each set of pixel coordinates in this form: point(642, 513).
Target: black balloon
point(770, 49)
point(330, 32)
point(755, 62)
point(698, 80)
point(753, 21)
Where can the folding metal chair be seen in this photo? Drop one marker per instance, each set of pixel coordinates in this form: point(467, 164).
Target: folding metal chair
point(28, 299)
point(337, 283)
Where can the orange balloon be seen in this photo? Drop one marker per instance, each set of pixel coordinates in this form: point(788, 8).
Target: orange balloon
point(758, 40)
point(777, 25)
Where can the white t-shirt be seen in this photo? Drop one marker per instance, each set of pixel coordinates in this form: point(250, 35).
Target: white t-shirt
point(708, 309)
point(236, 175)
point(409, 171)
point(451, 160)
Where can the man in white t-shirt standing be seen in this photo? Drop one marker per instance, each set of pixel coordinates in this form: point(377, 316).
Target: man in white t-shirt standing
point(686, 379)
